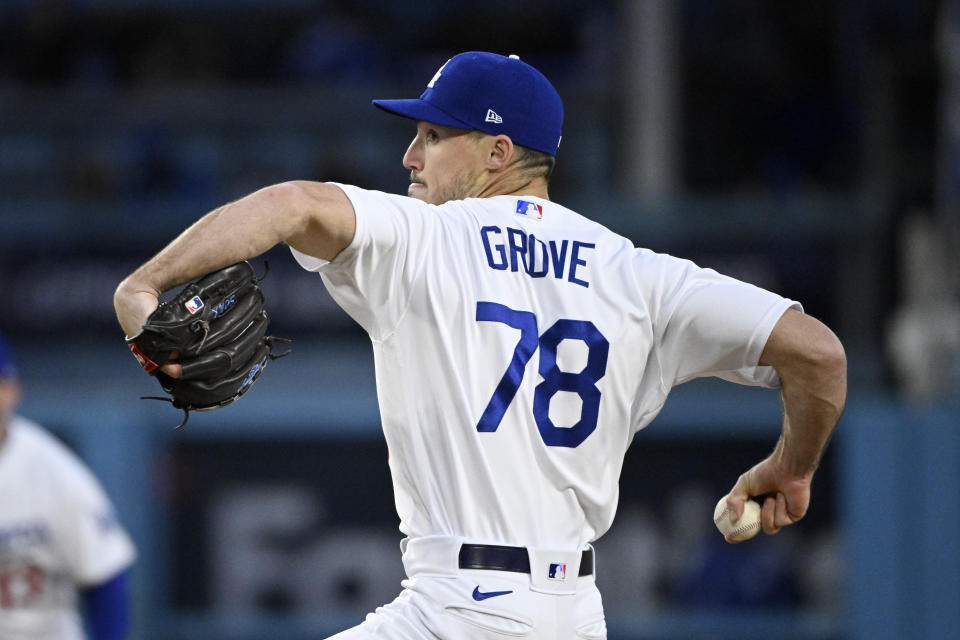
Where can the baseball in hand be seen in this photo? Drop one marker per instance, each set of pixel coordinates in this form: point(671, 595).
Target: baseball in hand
point(743, 529)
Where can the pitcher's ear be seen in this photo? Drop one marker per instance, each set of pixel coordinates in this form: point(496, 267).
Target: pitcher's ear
point(501, 152)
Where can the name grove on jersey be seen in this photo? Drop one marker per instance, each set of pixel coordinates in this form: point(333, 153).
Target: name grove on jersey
point(514, 249)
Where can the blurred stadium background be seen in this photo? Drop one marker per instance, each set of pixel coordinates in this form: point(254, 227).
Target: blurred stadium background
point(811, 148)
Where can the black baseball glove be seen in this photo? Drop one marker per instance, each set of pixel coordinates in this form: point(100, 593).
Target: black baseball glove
point(215, 328)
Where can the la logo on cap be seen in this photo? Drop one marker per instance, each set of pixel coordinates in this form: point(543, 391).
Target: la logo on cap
point(436, 76)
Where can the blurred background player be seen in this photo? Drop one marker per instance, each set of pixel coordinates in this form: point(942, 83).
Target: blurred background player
point(64, 557)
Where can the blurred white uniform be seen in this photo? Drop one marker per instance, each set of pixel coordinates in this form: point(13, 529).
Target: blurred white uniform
point(58, 533)
point(519, 346)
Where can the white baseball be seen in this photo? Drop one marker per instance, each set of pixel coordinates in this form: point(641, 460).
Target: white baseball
point(737, 530)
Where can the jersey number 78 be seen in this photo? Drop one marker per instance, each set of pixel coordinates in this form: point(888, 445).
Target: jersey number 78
point(583, 383)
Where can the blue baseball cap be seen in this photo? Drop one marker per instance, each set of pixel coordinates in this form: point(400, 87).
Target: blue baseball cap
point(7, 367)
point(490, 93)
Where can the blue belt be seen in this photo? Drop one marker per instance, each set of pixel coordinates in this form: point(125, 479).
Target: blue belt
point(499, 558)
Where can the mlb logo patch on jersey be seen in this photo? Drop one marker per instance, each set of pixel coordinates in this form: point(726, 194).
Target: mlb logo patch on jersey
point(194, 304)
point(557, 571)
point(527, 208)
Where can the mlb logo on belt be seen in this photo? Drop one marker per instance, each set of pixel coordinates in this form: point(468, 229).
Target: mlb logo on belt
point(527, 208)
point(557, 571)
point(194, 304)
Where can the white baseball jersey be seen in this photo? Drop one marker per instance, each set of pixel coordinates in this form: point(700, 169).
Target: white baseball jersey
point(519, 346)
point(58, 532)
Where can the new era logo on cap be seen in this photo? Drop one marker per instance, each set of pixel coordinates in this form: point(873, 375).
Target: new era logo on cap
point(528, 108)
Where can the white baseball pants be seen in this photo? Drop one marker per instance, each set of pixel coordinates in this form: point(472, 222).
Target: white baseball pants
point(440, 601)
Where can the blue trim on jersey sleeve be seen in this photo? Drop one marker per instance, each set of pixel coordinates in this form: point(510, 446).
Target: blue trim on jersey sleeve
point(106, 609)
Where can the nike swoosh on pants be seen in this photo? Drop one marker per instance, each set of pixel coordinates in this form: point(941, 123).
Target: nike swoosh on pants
point(480, 595)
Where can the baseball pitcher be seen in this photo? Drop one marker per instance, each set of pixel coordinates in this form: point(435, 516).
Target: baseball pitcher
point(519, 347)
